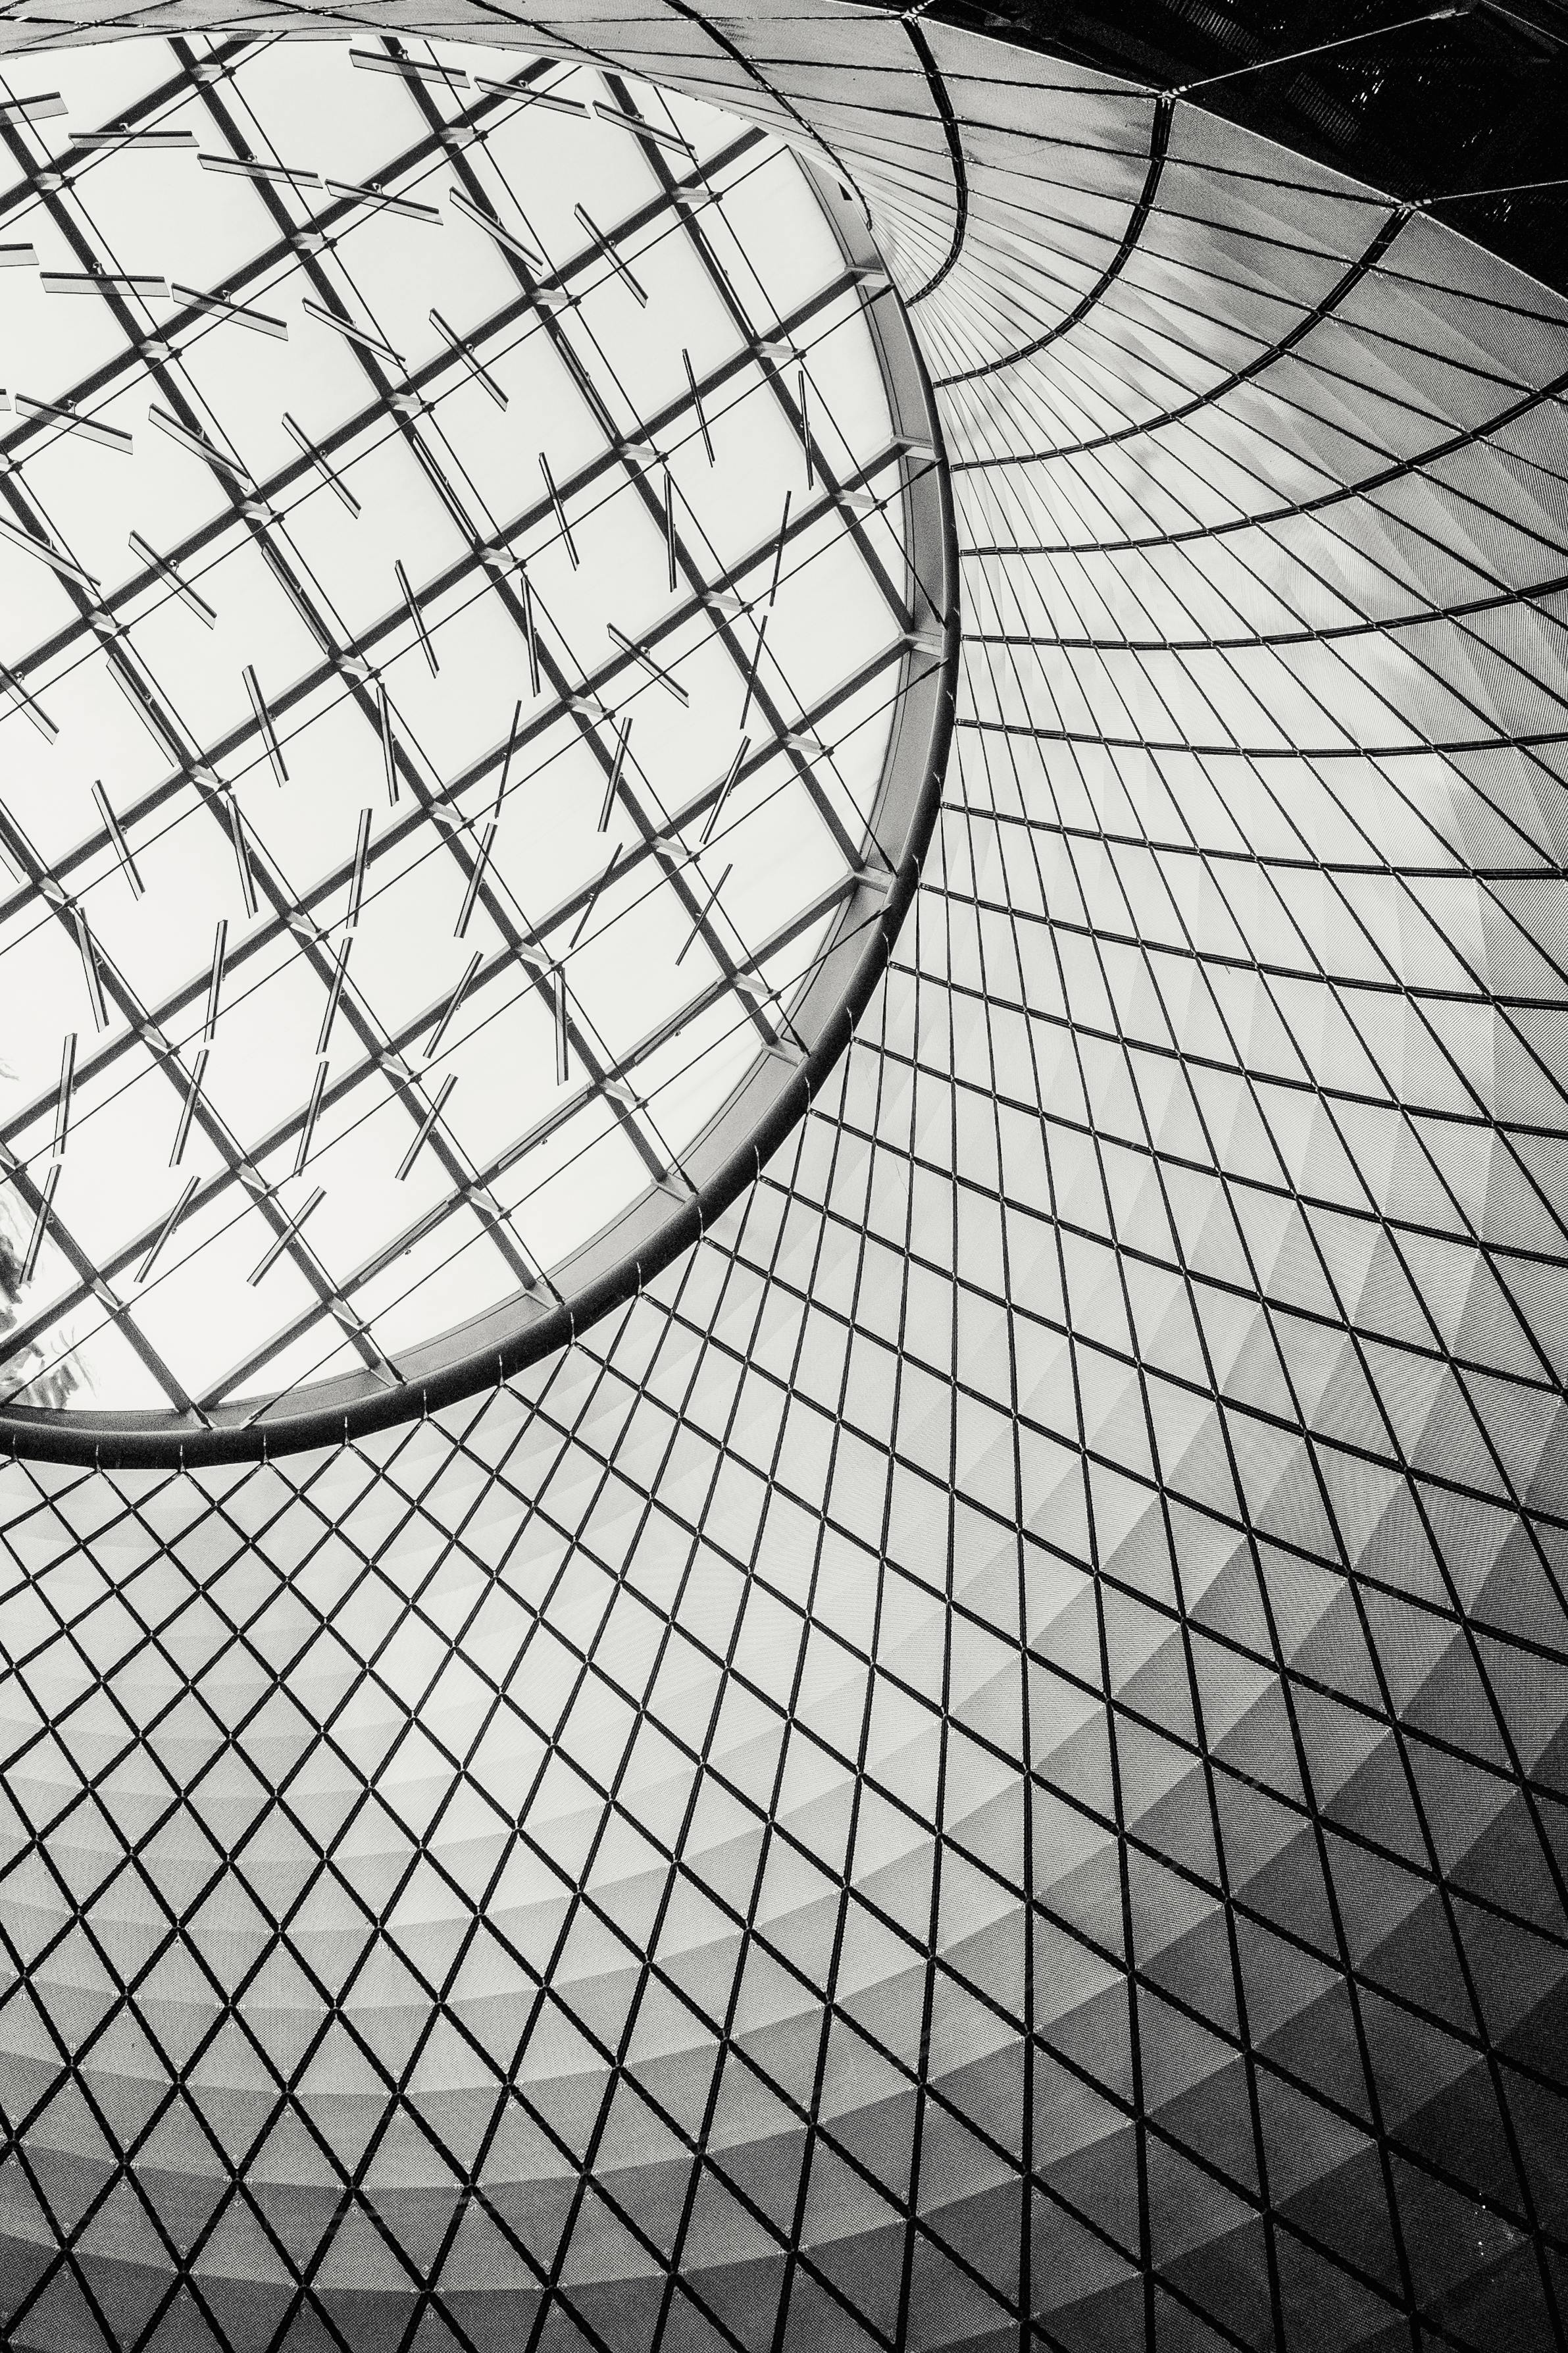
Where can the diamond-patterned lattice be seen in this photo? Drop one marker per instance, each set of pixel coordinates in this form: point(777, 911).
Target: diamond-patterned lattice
point(986, 1763)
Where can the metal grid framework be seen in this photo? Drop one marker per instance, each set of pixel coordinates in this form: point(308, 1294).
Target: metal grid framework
point(806, 733)
point(987, 1765)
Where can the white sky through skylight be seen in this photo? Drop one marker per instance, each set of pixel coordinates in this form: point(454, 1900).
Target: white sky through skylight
point(361, 532)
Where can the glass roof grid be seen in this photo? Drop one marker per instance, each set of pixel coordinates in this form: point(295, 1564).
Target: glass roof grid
point(366, 642)
point(430, 1129)
point(637, 479)
point(146, 699)
point(166, 1012)
point(658, 1165)
point(239, 1164)
point(772, 364)
point(480, 1196)
point(580, 903)
point(269, 532)
point(402, 1040)
point(283, 251)
point(480, 1187)
point(105, 984)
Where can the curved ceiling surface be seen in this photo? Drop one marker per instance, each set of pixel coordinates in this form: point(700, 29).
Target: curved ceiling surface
point(983, 1762)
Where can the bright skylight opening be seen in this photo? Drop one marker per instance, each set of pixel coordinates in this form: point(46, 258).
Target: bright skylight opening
point(454, 607)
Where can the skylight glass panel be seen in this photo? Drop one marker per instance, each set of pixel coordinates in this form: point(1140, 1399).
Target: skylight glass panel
point(457, 596)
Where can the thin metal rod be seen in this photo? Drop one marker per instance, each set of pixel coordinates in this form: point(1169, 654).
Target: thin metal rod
point(470, 359)
point(388, 755)
point(261, 322)
point(241, 856)
point(199, 445)
point(560, 510)
point(451, 78)
point(669, 529)
point(215, 982)
point(1506, 188)
point(453, 1004)
point(530, 630)
point(121, 850)
point(264, 722)
point(182, 588)
point(35, 711)
point(63, 1098)
point(407, 207)
point(47, 104)
point(25, 540)
point(89, 969)
point(725, 789)
point(1319, 48)
point(470, 896)
point(706, 909)
point(508, 238)
point(98, 282)
point(166, 1229)
point(616, 764)
point(641, 130)
point(752, 673)
point(697, 405)
point(356, 878)
point(611, 256)
point(155, 141)
point(510, 751)
point(291, 1231)
point(36, 1243)
point(353, 332)
point(593, 899)
point(417, 617)
point(654, 669)
point(563, 1041)
point(312, 1113)
point(333, 481)
point(283, 176)
point(335, 993)
point(806, 432)
point(779, 552)
point(188, 1108)
point(427, 1123)
point(525, 96)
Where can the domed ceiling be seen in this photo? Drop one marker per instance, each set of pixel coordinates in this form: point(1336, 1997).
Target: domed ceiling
point(978, 1760)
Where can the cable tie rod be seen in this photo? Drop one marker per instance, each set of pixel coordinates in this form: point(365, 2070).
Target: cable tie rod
point(166, 571)
point(494, 229)
point(289, 1234)
point(428, 1125)
point(654, 670)
point(333, 479)
point(121, 848)
point(367, 336)
point(188, 1108)
point(470, 359)
point(611, 256)
point(40, 1223)
point(166, 1230)
point(239, 314)
point(264, 723)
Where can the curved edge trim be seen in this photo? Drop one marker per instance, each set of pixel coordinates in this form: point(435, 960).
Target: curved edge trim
point(943, 105)
point(1159, 144)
